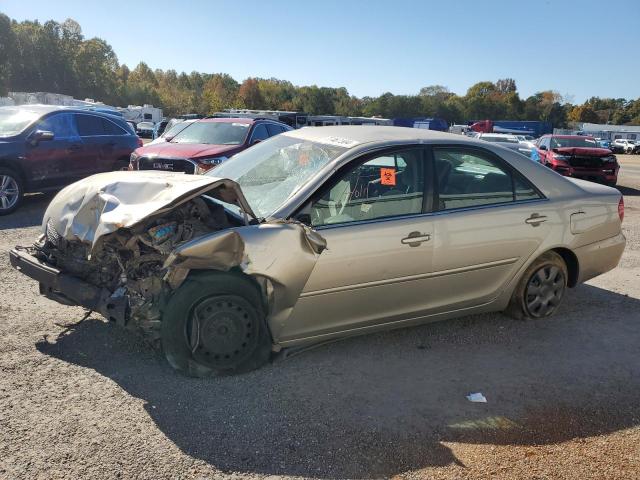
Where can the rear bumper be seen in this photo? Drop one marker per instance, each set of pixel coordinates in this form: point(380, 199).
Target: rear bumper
point(599, 257)
point(70, 290)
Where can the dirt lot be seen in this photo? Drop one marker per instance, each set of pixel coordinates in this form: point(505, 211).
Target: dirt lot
point(563, 394)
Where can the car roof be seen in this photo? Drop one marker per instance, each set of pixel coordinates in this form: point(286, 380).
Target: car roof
point(46, 109)
point(573, 136)
point(352, 135)
point(228, 120)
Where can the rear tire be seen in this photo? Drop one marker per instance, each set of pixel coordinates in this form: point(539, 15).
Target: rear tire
point(215, 324)
point(540, 289)
point(11, 191)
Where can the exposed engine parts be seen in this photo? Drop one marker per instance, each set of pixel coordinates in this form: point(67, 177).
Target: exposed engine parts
point(128, 263)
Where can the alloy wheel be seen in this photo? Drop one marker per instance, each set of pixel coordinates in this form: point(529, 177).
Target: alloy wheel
point(9, 192)
point(545, 291)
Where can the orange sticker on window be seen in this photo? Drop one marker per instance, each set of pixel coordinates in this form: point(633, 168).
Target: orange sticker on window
point(388, 176)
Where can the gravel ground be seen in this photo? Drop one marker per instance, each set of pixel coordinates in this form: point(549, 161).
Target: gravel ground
point(90, 401)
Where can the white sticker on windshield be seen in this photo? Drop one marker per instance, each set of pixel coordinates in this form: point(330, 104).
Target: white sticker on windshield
point(338, 142)
point(245, 125)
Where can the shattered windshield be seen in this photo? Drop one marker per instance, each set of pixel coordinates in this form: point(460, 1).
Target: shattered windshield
point(273, 170)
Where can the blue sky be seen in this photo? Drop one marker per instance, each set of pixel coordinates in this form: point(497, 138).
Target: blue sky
point(579, 48)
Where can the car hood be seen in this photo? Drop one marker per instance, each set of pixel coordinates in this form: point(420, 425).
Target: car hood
point(103, 203)
point(585, 151)
point(183, 150)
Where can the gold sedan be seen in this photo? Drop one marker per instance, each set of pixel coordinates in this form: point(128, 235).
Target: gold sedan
point(322, 233)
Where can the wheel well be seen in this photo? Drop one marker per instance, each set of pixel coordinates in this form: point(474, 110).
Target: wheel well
point(571, 261)
point(15, 166)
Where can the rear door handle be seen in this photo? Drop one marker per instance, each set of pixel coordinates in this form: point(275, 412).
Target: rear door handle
point(414, 239)
point(535, 219)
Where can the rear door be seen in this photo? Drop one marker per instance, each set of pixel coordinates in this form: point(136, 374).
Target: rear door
point(379, 254)
point(97, 146)
point(489, 220)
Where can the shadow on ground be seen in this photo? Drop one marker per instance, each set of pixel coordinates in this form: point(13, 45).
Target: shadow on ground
point(29, 213)
point(383, 404)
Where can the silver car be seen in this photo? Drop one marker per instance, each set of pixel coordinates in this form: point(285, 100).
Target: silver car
point(322, 233)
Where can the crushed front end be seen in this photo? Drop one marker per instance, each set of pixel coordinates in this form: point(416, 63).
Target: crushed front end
point(123, 275)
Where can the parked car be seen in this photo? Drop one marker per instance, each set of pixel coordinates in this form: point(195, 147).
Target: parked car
point(627, 146)
point(145, 129)
point(578, 156)
point(322, 233)
point(204, 144)
point(44, 147)
point(160, 127)
point(509, 141)
point(604, 143)
point(173, 127)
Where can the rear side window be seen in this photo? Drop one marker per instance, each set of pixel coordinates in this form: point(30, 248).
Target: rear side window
point(62, 125)
point(90, 125)
point(468, 178)
point(110, 128)
point(259, 133)
point(274, 129)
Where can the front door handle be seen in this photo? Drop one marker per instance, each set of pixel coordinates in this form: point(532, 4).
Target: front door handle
point(535, 219)
point(414, 239)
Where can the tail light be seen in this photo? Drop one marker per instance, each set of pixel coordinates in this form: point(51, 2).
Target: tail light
point(621, 208)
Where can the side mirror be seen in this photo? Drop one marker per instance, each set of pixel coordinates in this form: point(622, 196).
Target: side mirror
point(40, 136)
point(168, 139)
point(543, 147)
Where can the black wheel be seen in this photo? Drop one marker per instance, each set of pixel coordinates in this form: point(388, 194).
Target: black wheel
point(215, 323)
point(11, 191)
point(541, 288)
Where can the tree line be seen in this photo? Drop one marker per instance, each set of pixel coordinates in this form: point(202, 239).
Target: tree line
point(56, 57)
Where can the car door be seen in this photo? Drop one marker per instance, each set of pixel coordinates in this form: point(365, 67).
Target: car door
point(115, 150)
point(544, 152)
point(379, 253)
point(259, 133)
point(489, 220)
point(95, 140)
point(51, 162)
point(274, 129)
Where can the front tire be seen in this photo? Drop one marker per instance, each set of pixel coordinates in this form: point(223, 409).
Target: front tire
point(540, 289)
point(11, 191)
point(215, 324)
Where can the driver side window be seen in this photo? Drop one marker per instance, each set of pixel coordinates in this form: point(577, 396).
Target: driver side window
point(390, 185)
point(63, 126)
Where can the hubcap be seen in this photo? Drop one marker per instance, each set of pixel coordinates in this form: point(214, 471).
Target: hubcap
point(545, 291)
point(222, 331)
point(8, 192)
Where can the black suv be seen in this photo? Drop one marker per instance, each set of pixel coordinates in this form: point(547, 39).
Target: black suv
point(44, 147)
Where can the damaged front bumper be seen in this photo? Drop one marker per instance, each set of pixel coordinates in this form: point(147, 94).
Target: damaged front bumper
point(69, 290)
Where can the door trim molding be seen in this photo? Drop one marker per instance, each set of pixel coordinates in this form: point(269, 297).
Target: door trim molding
point(441, 273)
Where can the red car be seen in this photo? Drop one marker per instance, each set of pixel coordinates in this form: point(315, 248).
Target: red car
point(204, 144)
point(578, 156)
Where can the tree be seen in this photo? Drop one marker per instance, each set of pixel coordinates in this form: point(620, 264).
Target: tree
point(7, 53)
point(506, 85)
point(249, 95)
point(220, 92)
point(583, 113)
